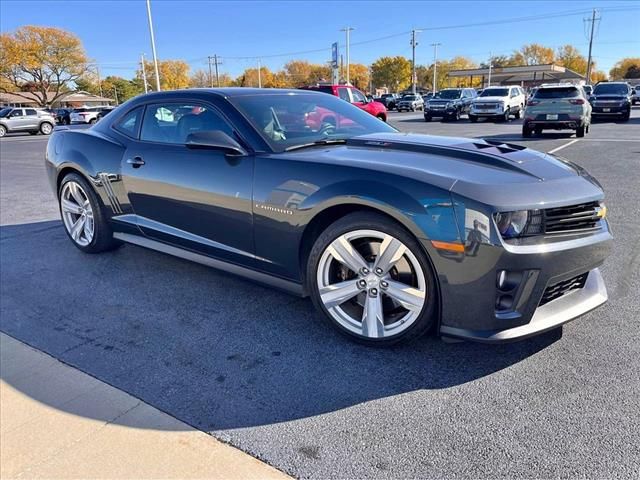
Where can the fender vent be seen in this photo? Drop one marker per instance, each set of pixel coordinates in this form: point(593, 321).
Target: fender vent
point(111, 196)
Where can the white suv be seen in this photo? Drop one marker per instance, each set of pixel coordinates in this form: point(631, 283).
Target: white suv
point(499, 103)
point(86, 115)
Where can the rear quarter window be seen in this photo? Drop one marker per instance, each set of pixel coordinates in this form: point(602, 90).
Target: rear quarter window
point(129, 123)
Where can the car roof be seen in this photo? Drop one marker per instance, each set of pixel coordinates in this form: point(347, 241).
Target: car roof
point(228, 92)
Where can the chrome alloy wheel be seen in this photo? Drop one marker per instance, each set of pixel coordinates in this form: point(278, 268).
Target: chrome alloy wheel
point(371, 283)
point(77, 213)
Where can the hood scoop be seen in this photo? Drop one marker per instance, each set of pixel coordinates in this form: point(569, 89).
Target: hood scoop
point(490, 153)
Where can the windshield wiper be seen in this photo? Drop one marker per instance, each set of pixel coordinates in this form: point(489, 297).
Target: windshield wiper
point(335, 141)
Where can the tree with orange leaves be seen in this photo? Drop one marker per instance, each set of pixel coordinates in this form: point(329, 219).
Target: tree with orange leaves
point(39, 63)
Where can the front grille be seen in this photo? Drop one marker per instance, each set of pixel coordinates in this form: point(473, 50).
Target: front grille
point(572, 219)
point(560, 289)
point(486, 106)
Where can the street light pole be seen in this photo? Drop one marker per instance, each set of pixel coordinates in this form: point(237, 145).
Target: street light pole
point(435, 65)
point(144, 73)
point(259, 75)
point(153, 46)
point(347, 31)
point(99, 80)
point(413, 60)
point(490, 63)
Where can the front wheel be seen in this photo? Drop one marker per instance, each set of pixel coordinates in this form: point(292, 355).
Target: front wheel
point(84, 221)
point(46, 128)
point(427, 118)
point(518, 114)
point(372, 281)
point(3, 131)
point(580, 132)
point(473, 118)
point(506, 115)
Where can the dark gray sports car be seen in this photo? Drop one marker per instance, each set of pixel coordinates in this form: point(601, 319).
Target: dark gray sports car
point(390, 234)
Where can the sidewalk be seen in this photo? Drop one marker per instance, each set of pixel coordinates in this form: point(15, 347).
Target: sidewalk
point(57, 422)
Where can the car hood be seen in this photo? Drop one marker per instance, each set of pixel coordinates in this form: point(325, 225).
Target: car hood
point(615, 96)
point(492, 172)
point(490, 99)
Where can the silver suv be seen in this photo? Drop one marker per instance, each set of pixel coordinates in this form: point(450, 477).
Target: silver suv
point(557, 107)
point(25, 120)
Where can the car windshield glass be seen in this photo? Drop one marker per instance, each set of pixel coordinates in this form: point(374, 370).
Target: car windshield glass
point(4, 112)
point(610, 89)
point(79, 110)
point(285, 120)
point(448, 94)
point(557, 92)
point(409, 97)
point(495, 92)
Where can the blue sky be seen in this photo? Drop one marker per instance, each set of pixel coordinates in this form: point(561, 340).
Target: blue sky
point(114, 33)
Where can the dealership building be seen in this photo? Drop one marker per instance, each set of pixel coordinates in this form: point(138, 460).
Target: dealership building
point(70, 100)
point(524, 75)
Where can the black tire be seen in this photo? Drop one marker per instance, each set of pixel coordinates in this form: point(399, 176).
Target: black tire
point(456, 116)
point(506, 116)
point(538, 130)
point(3, 130)
point(67, 121)
point(518, 114)
point(372, 221)
point(427, 118)
point(580, 132)
point(382, 117)
point(473, 118)
point(46, 128)
point(103, 240)
point(526, 131)
point(93, 121)
point(626, 116)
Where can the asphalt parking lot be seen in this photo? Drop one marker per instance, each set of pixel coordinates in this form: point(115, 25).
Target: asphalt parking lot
point(258, 369)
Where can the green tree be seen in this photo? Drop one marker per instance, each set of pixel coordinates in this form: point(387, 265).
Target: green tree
point(626, 68)
point(393, 73)
point(40, 63)
point(121, 89)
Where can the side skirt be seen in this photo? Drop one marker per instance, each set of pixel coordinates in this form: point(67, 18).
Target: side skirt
point(279, 283)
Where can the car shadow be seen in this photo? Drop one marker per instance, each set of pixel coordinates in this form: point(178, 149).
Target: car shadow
point(211, 349)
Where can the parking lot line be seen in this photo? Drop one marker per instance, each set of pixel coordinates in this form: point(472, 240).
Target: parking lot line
point(557, 149)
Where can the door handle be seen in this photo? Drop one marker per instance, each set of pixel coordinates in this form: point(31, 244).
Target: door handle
point(135, 162)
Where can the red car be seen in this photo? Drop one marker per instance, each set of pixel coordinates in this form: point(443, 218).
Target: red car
point(353, 96)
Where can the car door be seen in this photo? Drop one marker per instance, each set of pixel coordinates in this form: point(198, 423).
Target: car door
point(199, 199)
point(31, 119)
point(17, 120)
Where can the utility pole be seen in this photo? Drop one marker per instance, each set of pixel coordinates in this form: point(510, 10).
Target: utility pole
point(144, 73)
point(413, 60)
point(490, 62)
point(99, 80)
point(153, 46)
point(589, 62)
point(210, 75)
point(215, 60)
point(347, 31)
point(115, 91)
point(259, 75)
point(435, 65)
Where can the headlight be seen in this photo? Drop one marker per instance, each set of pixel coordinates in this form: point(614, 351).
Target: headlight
point(511, 224)
point(449, 104)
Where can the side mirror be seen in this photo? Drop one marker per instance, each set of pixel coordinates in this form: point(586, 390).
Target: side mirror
point(215, 140)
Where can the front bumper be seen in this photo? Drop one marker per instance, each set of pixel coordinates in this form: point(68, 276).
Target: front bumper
point(486, 112)
point(439, 112)
point(470, 296)
point(613, 110)
point(547, 317)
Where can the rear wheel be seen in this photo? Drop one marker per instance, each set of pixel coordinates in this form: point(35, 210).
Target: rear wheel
point(580, 131)
point(3, 131)
point(526, 131)
point(83, 219)
point(372, 281)
point(473, 118)
point(626, 116)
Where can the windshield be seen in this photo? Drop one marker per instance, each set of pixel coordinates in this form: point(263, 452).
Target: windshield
point(4, 112)
point(409, 97)
point(611, 89)
point(448, 94)
point(286, 120)
point(495, 92)
point(557, 92)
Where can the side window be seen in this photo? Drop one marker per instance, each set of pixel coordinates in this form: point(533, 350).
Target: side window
point(30, 111)
point(358, 96)
point(343, 93)
point(174, 122)
point(17, 113)
point(129, 123)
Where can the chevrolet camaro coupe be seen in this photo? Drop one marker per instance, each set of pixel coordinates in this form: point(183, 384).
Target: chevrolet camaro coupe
point(390, 234)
